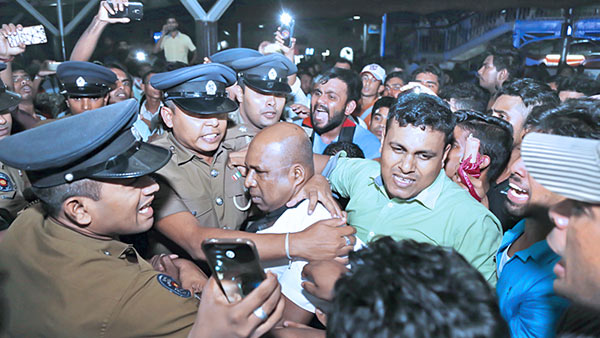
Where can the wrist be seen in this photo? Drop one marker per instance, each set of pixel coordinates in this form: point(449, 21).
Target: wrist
point(293, 240)
point(8, 59)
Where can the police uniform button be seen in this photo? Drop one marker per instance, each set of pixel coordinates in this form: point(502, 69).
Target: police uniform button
point(214, 173)
point(243, 129)
point(219, 201)
point(194, 213)
point(172, 148)
point(106, 252)
point(226, 228)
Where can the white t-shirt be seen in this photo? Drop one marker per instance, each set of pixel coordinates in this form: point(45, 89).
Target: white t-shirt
point(290, 276)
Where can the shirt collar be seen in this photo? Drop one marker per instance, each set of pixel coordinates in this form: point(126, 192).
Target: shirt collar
point(539, 251)
point(184, 155)
point(428, 197)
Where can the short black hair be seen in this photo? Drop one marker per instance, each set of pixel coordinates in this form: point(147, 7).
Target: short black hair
point(574, 117)
point(532, 92)
point(118, 65)
point(412, 289)
point(384, 101)
point(467, 95)
point(578, 83)
point(352, 149)
point(342, 60)
point(429, 68)
point(52, 198)
point(349, 77)
point(495, 135)
point(154, 70)
point(400, 75)
point(508, 58)
point(422, 110)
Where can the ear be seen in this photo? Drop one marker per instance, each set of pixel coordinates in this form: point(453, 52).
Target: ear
point(298, 174)
point(446, 151)
point(237, 93)
point(67, 102)
point(167, 116)
point(486, 162)
point(142, 86)
point(76, 209)
point(502, 75)
point(350, 106)
point(106, 97)
point(380, 89)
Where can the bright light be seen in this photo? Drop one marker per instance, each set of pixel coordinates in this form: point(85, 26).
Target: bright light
point(326, 53)
point(356, 17)
point(226, 33)
point(569, 30)
point(285, 19)
point(309, 51)
point(140, 56)
point(261, 26)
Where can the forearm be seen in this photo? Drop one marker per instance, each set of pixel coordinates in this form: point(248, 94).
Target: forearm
point(157, 45)
point(86, 44)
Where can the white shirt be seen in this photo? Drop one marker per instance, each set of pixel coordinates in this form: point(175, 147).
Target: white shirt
point(290, 276)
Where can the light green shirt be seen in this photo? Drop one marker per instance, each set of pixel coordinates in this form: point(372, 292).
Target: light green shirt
point(443, 214)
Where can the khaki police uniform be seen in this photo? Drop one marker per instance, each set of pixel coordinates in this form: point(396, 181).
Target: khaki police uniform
point(213, 193)
point(12, 184)
point(84, 287)
point(239, 136)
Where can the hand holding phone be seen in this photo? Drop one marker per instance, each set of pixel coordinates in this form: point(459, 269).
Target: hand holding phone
point(131, 10)
point(235, 264)
point(287, 28)
point(32, 35)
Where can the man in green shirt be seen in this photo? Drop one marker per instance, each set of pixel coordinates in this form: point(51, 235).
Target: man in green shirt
point(408, 195)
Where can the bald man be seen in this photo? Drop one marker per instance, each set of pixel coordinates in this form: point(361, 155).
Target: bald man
point(279, 162)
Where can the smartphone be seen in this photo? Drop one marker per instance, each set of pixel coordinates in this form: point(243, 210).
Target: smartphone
point(32, 35)
point(135, 11)
point(235, 264)
point(287, 28)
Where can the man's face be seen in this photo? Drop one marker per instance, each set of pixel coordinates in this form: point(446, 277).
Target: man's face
point(575, 238)
point(328, 105)
point(201, 134)
point(305, 83)
point(411, 159)
point(525, 196)
point(488, 75)
point(568, 94)
point(172, 24)
point(262, 109)
point(378, 121)
point(512, 110)
point(23, 85)
point(122, 91)
point(5, 123)
point(370, 85)
point(269, 179)
point(124, 206)
point(150, 91)
point(392, 87)
point(457, 152)
point(79, 105)
point(429, 80)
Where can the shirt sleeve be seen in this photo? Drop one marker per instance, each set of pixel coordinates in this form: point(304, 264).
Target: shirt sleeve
point(148, 309)
point(167, 202)
point(478, 245)
point(539, 312)
point(190, 44)
point(348, 173)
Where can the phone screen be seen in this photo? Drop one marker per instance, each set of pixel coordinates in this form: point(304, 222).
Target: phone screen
point(236, 266)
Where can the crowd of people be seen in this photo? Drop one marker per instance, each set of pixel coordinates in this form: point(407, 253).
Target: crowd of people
point(398, 201)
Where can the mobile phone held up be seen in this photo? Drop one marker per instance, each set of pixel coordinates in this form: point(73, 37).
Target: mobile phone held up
point(135, 11)
point(287, 23)
point(235, 264)
point(32, 35)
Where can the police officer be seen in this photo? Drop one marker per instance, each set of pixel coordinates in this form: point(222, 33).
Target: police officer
point(200, 196)
point(12, 181)
point(85, 85)
point(64, 272)
point(263, 82)
point(196, 114)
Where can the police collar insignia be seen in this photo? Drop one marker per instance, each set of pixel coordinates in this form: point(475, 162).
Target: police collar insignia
point(80, 82)
point(272, 74)
point(170, 284)
point(6, 184)
point(211, 88)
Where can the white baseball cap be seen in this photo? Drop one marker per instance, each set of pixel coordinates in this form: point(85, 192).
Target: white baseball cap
point(376, 70)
